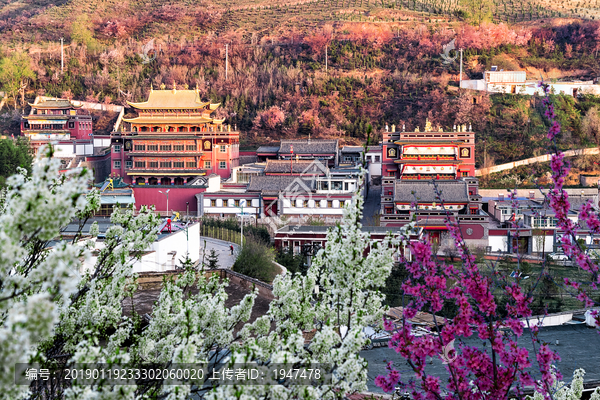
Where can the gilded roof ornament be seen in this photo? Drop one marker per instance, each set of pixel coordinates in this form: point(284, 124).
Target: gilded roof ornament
point(428, 127)
point(162, 86)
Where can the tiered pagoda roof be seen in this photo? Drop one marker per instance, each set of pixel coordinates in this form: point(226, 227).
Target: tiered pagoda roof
point(179, 100)
point(174, 99)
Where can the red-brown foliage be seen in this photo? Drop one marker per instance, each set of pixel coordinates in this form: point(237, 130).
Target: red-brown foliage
point(490, 35)
point(374, 35)
point(320, 39)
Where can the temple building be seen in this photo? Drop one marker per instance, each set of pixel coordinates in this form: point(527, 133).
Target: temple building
point(323, 150)
point(60, 121)
point(433, 154)
point(173, 140)
point(419, 169)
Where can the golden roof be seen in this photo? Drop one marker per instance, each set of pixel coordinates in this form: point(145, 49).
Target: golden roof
point(170, 120)
point(173, 99)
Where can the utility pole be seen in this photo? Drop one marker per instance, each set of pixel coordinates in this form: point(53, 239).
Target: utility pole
point(62, 56)
point(484, 154)
point(226, 60)
point(325, 58)
point(460, 77)
point(242, 203)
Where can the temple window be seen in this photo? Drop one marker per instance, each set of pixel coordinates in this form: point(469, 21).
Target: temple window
point(165, 147)
point(178, 147)
point(191, 164)
point(165, 164)
point(139, 147)
point(140, 164)
point(190, 147)
point(177, 164)
point(153, 164)
point(222, 164)
point(152, 147)
point(207, 164)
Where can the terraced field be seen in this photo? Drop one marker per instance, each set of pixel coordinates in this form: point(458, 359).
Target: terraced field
point(256, 18)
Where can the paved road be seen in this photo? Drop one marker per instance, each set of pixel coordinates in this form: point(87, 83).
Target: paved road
point(222, 249)
point(372, 205)
point(533, 160)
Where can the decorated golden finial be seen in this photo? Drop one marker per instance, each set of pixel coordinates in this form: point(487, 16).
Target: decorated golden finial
point(428, 127)
point(174, 87)
point(440, 129)
point(464, 127)
point(186, 87)
point(151, 88)
point(417, 129)
point(162, 86)
point(197, 88)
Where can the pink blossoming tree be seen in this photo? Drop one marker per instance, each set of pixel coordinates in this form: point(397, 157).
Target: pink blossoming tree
point(502, 368)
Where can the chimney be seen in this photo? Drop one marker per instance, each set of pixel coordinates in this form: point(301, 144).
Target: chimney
point(501, 196)
point(531, 194)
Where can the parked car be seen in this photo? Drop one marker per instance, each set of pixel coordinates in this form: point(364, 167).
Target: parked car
point(558, 256)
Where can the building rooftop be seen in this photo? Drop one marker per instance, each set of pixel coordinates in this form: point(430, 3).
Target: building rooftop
point(305, 167)
point(119, 195)
point(55, 103)
point(183, 119)
point(309, 146)
point(246, 159)
point(352, 149)
point(374, 148)
point(277, 183)
point(424, 191)
point(174, 99)
point(575, 347)
point(267, 149)
point(322, 229)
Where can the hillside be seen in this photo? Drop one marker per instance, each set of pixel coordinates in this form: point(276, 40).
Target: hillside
point(383, 63)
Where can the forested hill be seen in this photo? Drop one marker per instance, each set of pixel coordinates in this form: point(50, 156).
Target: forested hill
point(383, 64)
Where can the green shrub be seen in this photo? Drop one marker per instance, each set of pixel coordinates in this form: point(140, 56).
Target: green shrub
point(294, 263)
point(256, 260)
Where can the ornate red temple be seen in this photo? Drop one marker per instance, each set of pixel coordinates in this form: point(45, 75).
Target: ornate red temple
point(173, 140)
point(416, 167)
point(58, 121)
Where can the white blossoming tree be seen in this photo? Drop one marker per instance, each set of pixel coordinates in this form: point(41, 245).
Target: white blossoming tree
point(51, 314)
point(562, 391)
